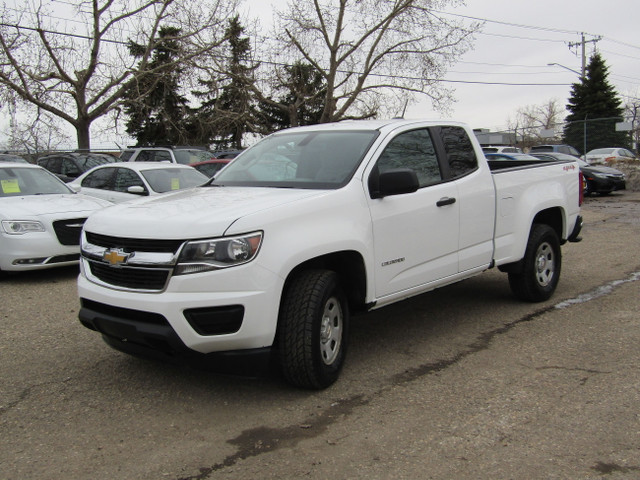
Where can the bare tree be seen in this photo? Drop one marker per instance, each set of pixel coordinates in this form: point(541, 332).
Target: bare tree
point(631, 112)
point(531, 121)
point(32, 130)
point(78, 69)
point(372, 50)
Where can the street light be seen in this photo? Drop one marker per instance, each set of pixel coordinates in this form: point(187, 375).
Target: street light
point(581, 75)
point(567, 68)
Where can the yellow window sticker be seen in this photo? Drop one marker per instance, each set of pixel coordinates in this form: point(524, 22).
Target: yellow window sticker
point(10, 186)
point(175, 184)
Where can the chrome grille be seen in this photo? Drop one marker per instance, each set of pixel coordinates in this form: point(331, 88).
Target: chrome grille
point(134, 244)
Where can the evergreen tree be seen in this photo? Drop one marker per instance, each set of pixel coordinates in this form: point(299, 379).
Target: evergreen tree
point(595, 109)
point(301, 104)
point(225, 119)
point(157, 116)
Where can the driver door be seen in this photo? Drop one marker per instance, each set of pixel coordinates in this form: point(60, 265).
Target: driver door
point(415, 235)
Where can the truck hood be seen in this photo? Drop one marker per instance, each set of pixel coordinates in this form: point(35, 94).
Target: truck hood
point(195, 213)
point(54, 205)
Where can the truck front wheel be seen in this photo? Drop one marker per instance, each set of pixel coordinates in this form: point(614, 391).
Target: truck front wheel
point(538, 278)
point(312, 329)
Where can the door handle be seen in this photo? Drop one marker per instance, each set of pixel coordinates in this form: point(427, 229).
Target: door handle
point(445, 201)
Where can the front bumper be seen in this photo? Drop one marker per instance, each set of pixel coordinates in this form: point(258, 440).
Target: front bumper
point(35, 251)
point(606, 185)
point(150, 336)
point(228, 310)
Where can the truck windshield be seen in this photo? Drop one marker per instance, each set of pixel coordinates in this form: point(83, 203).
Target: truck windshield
point(316, 160)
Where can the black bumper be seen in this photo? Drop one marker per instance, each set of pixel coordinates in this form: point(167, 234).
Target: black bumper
point(150, 335)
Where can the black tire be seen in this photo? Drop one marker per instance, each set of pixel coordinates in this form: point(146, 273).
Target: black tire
point(313, 329)
point(587, 189)
point(538, 278)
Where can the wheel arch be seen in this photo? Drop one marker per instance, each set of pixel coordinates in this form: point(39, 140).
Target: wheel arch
point(554, 217)
point(350, 267)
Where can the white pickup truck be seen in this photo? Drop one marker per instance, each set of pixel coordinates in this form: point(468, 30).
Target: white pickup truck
point(265, 263)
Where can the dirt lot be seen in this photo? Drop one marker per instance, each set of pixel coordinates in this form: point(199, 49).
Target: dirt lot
point(461, 383)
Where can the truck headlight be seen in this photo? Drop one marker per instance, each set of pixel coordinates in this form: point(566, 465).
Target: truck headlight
point(216, 253)
point(20, 227)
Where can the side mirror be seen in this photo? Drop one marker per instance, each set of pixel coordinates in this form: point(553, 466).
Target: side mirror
point(136, 190)
point(396, 182)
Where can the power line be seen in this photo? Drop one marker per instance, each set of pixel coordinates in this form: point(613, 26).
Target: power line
point(521, 38)
point(64, 34)
point(533, 27)
point(518, 25)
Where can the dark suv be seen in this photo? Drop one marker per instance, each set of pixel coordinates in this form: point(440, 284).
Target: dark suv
point(69, 166)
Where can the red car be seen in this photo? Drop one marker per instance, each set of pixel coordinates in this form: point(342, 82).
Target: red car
point(219, 159)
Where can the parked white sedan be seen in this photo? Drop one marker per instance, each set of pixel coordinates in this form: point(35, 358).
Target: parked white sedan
point(123, 181)
point(609, 155)
point(40, 218)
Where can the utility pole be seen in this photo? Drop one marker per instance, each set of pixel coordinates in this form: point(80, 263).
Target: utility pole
point(583, 44)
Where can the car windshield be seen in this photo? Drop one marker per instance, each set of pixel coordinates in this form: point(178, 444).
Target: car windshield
point(164, 180)
point(17, 181)
point(187, 156)
point(317, 160)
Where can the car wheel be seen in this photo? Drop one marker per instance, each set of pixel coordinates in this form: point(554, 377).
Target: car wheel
point(538, 278)
point(312, 329)
point(587, 189)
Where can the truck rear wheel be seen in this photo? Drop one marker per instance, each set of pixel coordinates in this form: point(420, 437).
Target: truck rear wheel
point(538, 278)
point(312, 329)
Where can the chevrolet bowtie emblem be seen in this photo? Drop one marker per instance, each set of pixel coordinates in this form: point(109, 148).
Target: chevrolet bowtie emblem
point(115, 256)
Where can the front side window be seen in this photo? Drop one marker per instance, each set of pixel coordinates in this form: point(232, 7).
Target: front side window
point(413, 150)
point(126, 178)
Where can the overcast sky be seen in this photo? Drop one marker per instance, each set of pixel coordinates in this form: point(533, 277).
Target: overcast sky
point(518, 41)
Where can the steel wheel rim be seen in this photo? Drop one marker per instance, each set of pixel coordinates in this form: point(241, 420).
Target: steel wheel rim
point(545, 264)
point(331, 327)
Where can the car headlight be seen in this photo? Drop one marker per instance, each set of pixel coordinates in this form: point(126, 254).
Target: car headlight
point(20, 227)
point(216, 253)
